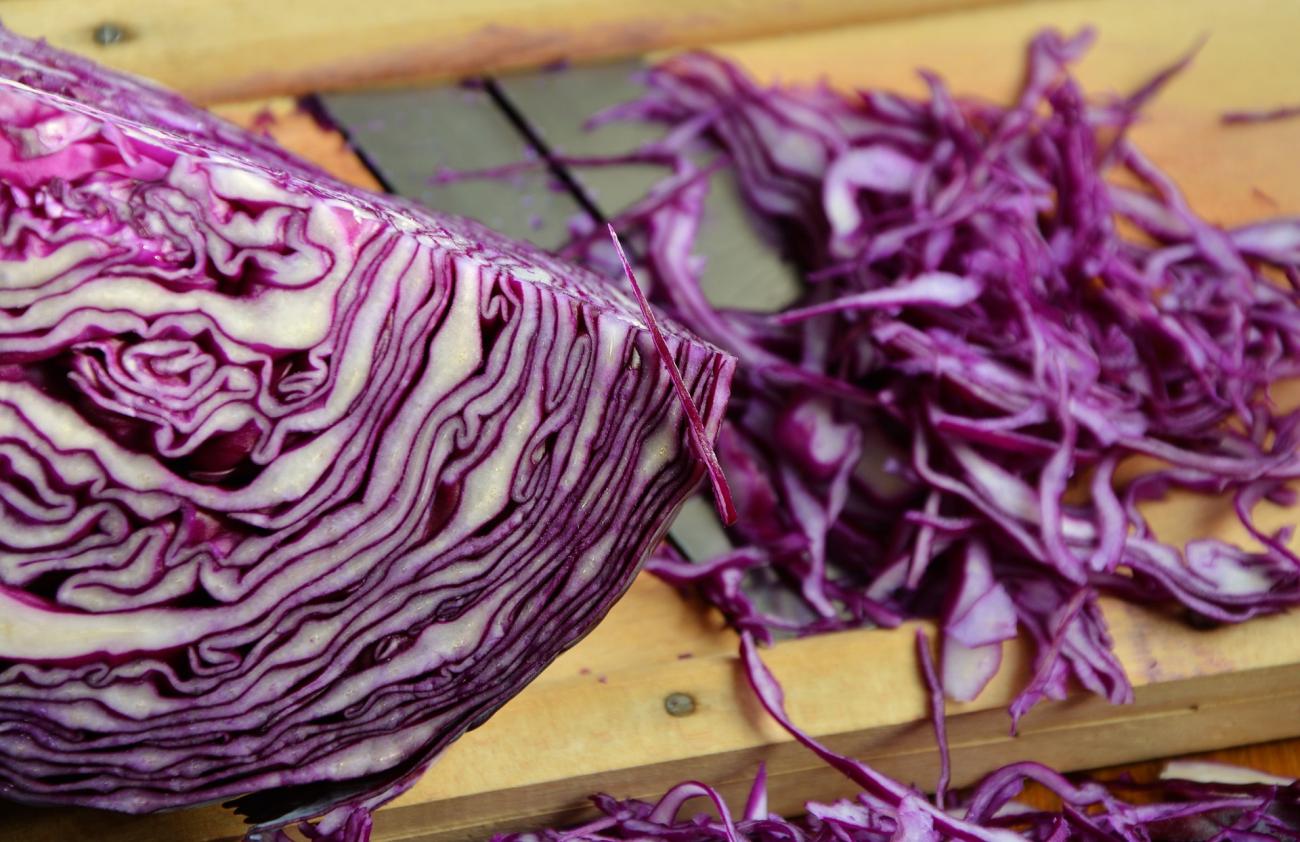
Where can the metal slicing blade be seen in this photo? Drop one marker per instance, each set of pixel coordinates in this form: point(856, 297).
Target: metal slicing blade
point(408, 135)
point(742, 271)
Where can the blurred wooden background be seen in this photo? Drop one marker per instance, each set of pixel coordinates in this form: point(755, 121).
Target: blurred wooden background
point(223, 50)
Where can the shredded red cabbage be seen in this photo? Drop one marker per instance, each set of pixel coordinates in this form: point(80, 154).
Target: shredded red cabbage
point(1003, 306)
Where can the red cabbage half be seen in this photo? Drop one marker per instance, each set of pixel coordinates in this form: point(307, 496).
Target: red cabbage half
point(297, 483)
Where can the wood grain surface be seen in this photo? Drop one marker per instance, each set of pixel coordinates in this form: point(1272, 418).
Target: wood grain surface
point(596, 719)
point(222, 50)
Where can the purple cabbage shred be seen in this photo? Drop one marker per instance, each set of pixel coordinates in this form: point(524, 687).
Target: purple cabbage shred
point(1014, 335)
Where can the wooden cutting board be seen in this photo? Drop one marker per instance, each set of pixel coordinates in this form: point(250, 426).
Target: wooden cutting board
point(224, 50)
point(596, 719)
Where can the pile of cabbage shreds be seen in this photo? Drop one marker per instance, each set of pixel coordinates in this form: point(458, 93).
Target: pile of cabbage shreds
point(1003, 306)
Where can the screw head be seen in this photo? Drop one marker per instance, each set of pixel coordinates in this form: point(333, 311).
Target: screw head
point(679, 704)
point(108, 33)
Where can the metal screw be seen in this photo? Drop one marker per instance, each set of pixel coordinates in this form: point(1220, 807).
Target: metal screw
point(679, 704)
point(109, 33)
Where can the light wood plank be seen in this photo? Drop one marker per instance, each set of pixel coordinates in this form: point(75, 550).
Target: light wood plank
point(221, 50)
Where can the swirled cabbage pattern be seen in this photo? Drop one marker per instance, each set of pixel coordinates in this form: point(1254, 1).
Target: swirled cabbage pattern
point(296, 484)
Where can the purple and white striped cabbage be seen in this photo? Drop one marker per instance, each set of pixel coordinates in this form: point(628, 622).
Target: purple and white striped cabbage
point(297, 483)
